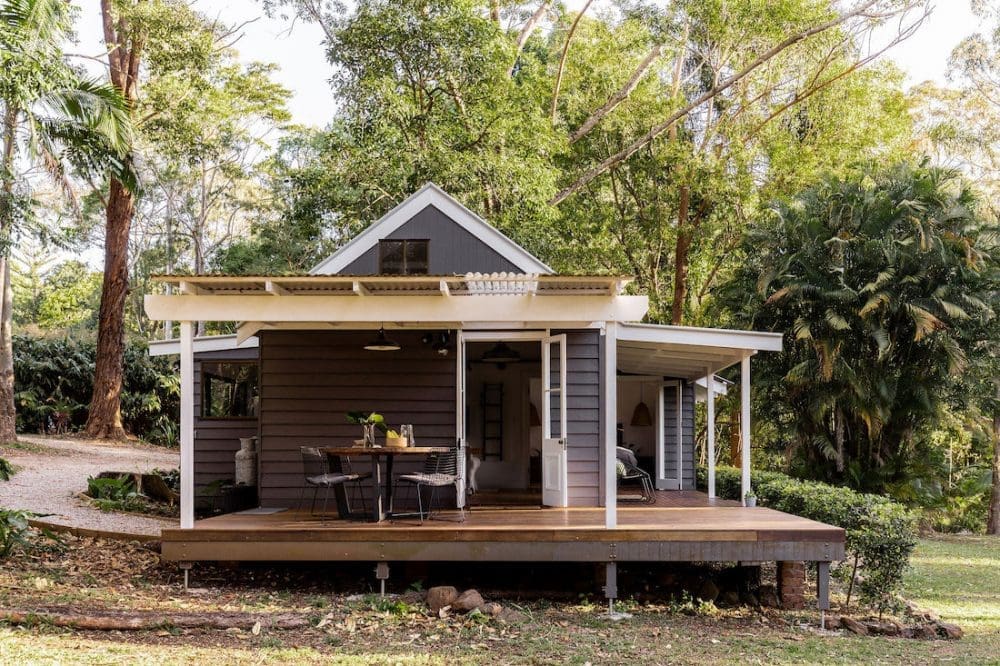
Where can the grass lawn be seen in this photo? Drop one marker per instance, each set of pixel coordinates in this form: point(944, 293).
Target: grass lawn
point(959, 577)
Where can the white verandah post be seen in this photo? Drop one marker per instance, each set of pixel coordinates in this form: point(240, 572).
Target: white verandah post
point(187, 424)
point(745, 426)
point(610, 435)
point(710, 429)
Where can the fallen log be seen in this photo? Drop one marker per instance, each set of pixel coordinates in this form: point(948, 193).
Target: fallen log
point(152, 621)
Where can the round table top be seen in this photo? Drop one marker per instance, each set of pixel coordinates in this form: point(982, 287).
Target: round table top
point(384, 450)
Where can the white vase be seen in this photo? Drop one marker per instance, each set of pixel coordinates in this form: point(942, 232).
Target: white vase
point(246, 462)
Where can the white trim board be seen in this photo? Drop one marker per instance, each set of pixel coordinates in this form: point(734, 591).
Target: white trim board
point(205, 343)
point(430, 195)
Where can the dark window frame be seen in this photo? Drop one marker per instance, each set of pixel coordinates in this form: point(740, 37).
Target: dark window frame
point(382, 247)
point(204, 386)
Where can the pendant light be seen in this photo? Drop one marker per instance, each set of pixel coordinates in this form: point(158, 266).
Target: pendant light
point(382, 343)
point(501, 354)
point(641, 416)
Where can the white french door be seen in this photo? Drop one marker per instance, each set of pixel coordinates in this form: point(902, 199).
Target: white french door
point(669, 436)
point(555, 464)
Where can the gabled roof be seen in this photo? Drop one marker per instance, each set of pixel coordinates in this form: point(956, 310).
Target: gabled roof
point(431, 195)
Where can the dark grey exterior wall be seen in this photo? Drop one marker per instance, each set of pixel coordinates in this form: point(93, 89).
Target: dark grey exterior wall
point(583, 413)
point(452, 249)
point(311, 379)
point(216, 441)
point(687, 432)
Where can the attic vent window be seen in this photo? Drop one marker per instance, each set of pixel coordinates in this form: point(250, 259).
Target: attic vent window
point(403, 257)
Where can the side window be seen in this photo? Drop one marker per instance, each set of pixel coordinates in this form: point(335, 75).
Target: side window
point(229, 390)
point(403, 257)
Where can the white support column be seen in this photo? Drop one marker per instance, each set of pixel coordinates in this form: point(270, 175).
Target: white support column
point(745, 427)
point(610, 435)
point(710, 429)
point(187, 424)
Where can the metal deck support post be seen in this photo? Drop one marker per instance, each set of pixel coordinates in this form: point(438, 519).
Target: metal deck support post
point(186, 568)
point(187, 425)
point(823, 591)
point(382, 574)
point(611, 586)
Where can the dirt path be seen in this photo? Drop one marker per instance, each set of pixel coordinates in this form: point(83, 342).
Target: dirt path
point(52, 471)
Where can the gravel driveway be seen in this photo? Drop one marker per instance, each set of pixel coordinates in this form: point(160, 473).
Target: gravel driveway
point(52, 471)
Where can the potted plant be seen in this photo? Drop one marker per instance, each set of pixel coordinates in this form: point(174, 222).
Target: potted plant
point(369, 421)
point(750, 499)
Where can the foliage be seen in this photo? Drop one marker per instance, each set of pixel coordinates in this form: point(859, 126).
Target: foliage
point(54, 376)
point(14, 531)
point(876, 281)
point(881, 534)
point(6, 470)
point(114, 493)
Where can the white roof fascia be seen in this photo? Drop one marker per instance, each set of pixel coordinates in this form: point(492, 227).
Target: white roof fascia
point(207, 343)
point(700, 337)
point(430, 195)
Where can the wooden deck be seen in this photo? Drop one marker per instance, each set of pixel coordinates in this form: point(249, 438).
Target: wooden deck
point(681, 526)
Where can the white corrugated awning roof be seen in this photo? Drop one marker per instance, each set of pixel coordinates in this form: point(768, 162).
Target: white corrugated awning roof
point(471, 284)
point(686, 352)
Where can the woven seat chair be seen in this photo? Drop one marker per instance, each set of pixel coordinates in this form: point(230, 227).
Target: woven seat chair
point(629, 470)
point(440, 471)
point(318, 474)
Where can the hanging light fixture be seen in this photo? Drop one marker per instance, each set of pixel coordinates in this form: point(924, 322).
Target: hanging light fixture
point(501, 354)
point(382, 343)
point(641, 416)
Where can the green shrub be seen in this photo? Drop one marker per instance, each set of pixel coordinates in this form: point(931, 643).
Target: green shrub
point(114, 493)
point(6, 470)
point(53, 380)
point(880, 533)
point(14, 530)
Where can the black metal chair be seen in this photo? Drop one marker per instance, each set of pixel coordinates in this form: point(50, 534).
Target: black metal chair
point(629, 470)
point(440, 471)
point(318, 474)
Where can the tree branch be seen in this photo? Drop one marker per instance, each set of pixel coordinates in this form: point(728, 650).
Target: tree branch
point(618, 97)
point(526, 30)
point(654, 132)
point(562, 58)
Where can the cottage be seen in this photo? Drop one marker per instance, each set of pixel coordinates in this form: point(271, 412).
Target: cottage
point(433, 318)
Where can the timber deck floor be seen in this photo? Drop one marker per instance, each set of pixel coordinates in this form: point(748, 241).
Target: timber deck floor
point(681, 525)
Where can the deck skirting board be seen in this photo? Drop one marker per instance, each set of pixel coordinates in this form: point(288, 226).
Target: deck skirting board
point(503, 551)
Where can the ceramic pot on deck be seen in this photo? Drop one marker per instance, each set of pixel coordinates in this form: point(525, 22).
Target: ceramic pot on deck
point(246, 462)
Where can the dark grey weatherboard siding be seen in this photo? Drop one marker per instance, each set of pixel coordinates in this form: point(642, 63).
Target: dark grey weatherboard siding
point(311, 379)
point(687, 432)
point(216, 441)
point(452, 249)
point(583, 413)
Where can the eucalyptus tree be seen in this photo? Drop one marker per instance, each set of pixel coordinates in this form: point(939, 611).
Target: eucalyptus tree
point(55, 119)
point(198, 117)
point(877, 283)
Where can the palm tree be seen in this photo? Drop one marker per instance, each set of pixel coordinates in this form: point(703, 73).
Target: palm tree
point(54, 119)
point(873, 279)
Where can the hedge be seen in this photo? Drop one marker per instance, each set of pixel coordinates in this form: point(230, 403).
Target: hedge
point(53, 382)
point(881, 534)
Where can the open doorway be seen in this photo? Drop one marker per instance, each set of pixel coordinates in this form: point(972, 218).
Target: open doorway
point(503, 426)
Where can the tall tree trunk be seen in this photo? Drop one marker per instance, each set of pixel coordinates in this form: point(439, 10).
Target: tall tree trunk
point(8, 417)
point(993, 524)
point(681, 256)
point(105, 419)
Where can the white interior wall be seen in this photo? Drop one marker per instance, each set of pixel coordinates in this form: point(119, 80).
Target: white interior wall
point(642, 439)
point(519, 438)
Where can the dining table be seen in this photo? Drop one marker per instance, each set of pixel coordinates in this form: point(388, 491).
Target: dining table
point(382, 479)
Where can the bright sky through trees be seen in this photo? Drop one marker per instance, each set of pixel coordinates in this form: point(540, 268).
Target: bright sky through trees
point(305, 70)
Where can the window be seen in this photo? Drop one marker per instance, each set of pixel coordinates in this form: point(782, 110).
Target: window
point(229, 390)
point(403, 257)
